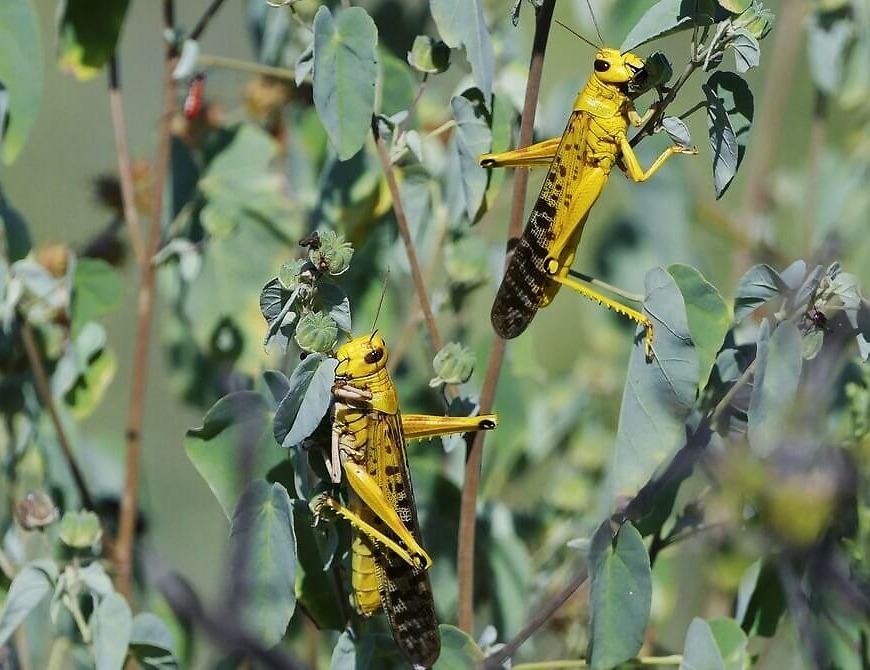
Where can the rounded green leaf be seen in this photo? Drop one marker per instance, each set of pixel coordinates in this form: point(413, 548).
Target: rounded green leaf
point(429, 55)
point(97, 290)
point(777, 373)
point(472, 137)
point(111, 624)
point(20, 73)
point(700, 651)
point(33, 582)
point(732, 642)
point(730, 108)
point(151, 643)
point(458, 650)
point(658, 396)
point(345, 74)
point(667, 17)
point(620, 595)
point(240, 420)
point(758, 285)
point(461, 23)
point(88, 32)
point(707, 314)
point(263, 551)
point(307, 400)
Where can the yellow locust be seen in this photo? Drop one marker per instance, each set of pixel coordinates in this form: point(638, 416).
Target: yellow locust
point(579, 163)
point(389, 564)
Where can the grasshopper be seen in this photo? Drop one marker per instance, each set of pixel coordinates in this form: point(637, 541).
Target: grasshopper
point(389, 564)
point(579, 163)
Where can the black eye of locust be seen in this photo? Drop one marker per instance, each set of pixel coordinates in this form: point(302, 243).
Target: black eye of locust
point(601, 65)
point(374, 356)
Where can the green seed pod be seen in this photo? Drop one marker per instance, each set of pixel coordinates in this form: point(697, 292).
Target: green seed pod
point(428, 55)
point(333, 254)
point(316, 332)
point(290, 273)
point(453, 364)
point(80, 530)
point(757, 20)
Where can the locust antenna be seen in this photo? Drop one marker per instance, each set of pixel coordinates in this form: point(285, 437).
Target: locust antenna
point(380, 303)
point(578, 35)
point(595, 21)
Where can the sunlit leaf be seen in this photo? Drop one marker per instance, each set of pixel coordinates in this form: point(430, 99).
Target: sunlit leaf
point(461, 24)
point(345, 73)
point(20, 73)
point(667, 17)
point(700, 651)
point(88, 32)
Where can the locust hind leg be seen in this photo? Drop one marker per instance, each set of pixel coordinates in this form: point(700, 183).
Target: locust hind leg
point(563, 278)
point(534, 155)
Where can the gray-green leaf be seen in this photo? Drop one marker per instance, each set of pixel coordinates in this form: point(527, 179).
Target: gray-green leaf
point(620, 595)
point(461, 23)
point(730, 109)
point(263, 550)
point(667, 17)
point(700, 651)
point(306, 401)
point(345, 74)
point(111, 624)
point(32, 583)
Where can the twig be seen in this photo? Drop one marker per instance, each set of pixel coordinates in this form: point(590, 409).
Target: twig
point(48, 401)
point(723, 404)
point(405, 233)
point(125, 174)
point(204, 20)
point(207, 60)
point(542, 615)
point(136, 410)
point(474, 456)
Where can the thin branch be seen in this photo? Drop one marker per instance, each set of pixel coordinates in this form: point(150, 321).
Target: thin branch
point(474, 456)
point(136, 410)
point(125, 174)
point(728, 398)
point(542, 615)
point(405, 233)
point(44, 388)
point(204, 20)
point(207, 60)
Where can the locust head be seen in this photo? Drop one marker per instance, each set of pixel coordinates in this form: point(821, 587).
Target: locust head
point(362, 356)
point(613, 67)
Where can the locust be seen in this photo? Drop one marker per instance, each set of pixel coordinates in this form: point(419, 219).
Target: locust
point(580, 162)
point(389, 566)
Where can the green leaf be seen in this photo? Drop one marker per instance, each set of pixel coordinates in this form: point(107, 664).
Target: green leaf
point(97, 290)
point(747, 52)
point(471, 138)
point(306, 402)
point(730, 108)
point(334, 301)
point(429, 55)
point(619, 597)
point(396, 82)
point(735, 6)
point(151, 643)
point(707, 315)
point(760, 284)
point(829, 36)
point(263, 550)
point(458, 650)
point(345, 73)
point(111, 624)
point(761, 601)
point(29, 587)
point(237, 421)
point(461, 23)
point(20, 73)
point(88, 32)
point(732, 642)
point(700, 651)
point(667, 17)
point(658, 396)
point(777, 373)
point(13, 228)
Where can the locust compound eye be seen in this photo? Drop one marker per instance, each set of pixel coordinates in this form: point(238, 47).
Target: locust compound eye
point(601, 65)
point(374, 356)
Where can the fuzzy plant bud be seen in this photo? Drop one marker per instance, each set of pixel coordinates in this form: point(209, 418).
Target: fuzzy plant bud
point(80, 530)
point(316, 332)
point(333, 253)
point(453, 364)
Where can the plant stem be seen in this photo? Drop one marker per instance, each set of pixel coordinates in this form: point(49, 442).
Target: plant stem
point(474, 456)
point(125, 174)
point(246, 66)
point(405, 234)
point(204, 20)
point(542, 615)
point(44, 389)
point(136, 410)
point(723, 404)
